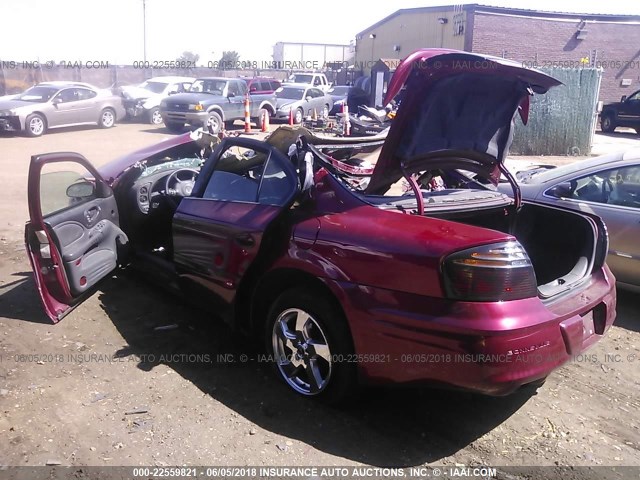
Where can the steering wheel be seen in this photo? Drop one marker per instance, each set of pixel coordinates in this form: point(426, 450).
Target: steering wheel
point(180, 183)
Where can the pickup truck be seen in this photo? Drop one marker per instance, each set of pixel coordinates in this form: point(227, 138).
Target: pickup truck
point(317, 80)
point(213, 101)
point(625, 113)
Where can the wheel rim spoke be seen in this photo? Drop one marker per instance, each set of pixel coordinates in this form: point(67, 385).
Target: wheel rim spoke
point(316, 382)
point(302, 352)
point(321, 350)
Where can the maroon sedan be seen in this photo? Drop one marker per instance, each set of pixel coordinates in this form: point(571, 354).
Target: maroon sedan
point(443, 282)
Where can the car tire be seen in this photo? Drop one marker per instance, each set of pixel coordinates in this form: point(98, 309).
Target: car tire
point(310, 343)
point(607, 123)
point(298, 116)
point(261, 113)
point(325, 111)
point(154, 116)
point(107, 118)
point(215, 121)
point(35, 125)
point(174, 127)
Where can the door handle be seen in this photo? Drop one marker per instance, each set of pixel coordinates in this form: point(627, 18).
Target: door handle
point(91, 214)
point(245, 240)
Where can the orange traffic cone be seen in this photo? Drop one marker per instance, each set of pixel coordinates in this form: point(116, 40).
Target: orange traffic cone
point(315, 115)
point(290, 117)
point(265, 121)
point(247, 116)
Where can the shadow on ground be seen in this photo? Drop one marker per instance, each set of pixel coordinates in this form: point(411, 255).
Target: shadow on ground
point(400, 427)
point(628, 310)
point(19, 299)
point(386, 427)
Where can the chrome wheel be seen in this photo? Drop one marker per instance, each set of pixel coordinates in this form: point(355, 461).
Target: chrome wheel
point(36, 126)
point(302, 352)
point(155, 116)
point(107, 118)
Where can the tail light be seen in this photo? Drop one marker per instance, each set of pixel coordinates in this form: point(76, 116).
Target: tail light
point(496, 272)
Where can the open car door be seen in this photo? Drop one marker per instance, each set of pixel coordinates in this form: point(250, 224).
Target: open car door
point(73, 236)
point(218, 231)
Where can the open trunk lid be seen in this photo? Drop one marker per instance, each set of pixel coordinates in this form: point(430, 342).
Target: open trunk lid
point(457, 103)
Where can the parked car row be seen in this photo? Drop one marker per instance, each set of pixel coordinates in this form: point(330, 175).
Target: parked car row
point(61, 104)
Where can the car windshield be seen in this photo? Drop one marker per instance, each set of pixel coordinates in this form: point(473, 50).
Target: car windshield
point(38, 94)
point(300, 78)
point(215, 87)
point(339, 91)
point(290, 93)
point(155, 87)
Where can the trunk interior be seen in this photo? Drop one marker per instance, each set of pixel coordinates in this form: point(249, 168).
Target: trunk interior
point(560, 244)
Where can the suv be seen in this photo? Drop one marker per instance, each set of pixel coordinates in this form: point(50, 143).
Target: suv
point(625, 113)
point(318, 80)
point(213, 101)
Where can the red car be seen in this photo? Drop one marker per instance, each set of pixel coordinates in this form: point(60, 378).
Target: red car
point(449, 284)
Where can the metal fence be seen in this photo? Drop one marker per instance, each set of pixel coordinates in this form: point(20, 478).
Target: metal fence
point(17, 79)
point(563, 121)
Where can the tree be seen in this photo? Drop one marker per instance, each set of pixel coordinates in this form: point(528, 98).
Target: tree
point(230, 60)
point(188, 58)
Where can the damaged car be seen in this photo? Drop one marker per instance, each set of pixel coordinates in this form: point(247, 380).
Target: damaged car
point(347, 283)
point(143, 101)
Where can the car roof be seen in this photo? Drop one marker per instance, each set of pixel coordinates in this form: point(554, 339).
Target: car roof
point(169, 79)
point(217, 78)
point(297, 85)
point(603, 162)
point(63, 83)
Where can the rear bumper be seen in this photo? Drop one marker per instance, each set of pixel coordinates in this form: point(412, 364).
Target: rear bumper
point(490, 348)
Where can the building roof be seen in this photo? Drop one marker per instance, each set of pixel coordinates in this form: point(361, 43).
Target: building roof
point(310, 44)
point(475, 7)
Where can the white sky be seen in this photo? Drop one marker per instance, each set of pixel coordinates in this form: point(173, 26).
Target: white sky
point(72, 30)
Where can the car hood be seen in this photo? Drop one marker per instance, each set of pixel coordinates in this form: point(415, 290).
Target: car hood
point(16, 104)
point(194, 97)
point(457, 111)
point(137, 93)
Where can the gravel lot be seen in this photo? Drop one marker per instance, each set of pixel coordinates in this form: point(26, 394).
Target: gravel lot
point(106, 387)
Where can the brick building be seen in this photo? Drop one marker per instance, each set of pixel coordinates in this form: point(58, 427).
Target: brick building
point(545, 39)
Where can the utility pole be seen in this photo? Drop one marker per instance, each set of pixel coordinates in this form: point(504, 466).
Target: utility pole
point(144, 29)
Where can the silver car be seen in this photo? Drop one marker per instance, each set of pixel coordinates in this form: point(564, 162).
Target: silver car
point(608, 186)
point(302, 100)
point(60, 104)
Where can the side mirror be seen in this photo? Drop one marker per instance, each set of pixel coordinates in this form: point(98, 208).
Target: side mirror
point(253, 89)
point(173, 92)
point(56, 100)
point(82, 189)
point(308, 99)
point(562, 190)
point(231, 95)
point(623, 98)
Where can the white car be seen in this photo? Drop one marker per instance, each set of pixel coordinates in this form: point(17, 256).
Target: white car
point(144, 100)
